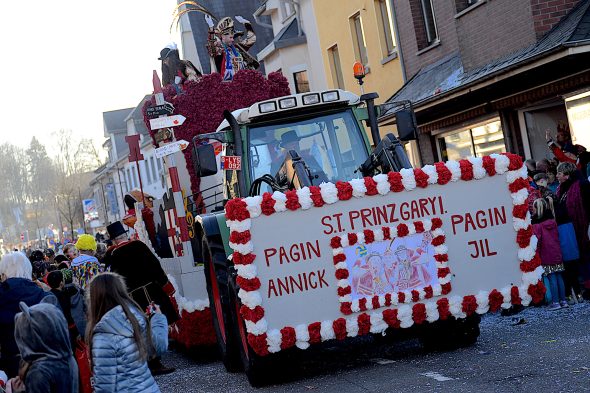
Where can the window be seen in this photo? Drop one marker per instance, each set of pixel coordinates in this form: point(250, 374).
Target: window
point(463, 4)
point(301, 82)
point(386, 25)
point(156, 174)
point(360, 48)
point(129, 184)
point(147, 171)
point(135, 181)
point(336, 67)
point(159, 160)
point(429, 21)
point(288, 9)
point(331, 145)
point(478, 141)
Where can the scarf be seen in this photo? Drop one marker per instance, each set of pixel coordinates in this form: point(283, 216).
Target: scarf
point(228, 66)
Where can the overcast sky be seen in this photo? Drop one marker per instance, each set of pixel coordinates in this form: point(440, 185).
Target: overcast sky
point(65, 62)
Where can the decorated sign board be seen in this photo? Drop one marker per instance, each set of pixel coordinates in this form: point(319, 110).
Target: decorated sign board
point(394, 250)
point(171, 148)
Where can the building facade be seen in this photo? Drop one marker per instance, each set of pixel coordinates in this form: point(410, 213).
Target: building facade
point(359, 30)
point(295, 50)
point(493, 76)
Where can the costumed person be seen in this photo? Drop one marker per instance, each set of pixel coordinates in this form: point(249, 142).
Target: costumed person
point(86, 265)
point(146, 281)
point(121, 338)
point(41, 334)
point(229, 48)
point(175, 71)
point(147, 213)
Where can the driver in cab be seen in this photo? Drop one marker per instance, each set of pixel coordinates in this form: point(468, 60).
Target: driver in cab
point(290, 141)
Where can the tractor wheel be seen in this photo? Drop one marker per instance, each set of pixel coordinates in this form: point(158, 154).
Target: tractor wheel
point(217, 287)
point(260, 370)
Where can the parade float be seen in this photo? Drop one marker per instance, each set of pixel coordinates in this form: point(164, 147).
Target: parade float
point(285, 228)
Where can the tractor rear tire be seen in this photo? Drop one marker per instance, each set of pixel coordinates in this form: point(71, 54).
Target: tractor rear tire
point(260, 370)
point(217, 287)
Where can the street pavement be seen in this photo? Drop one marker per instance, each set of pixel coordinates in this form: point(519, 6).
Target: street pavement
point(548, 351)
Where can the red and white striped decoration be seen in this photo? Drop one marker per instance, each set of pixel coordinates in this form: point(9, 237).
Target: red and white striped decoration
point(240, 212)
point(368, 236)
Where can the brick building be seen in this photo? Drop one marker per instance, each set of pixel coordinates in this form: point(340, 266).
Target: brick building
point(488, 76)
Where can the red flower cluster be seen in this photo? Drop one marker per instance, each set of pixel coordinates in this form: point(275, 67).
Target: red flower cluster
point(292, 200)
point(402, 230)
point(523, 236)
point(514, 296)
point(436, 223)
point(314, 332)
point(437, 241)
point(520, 211)
point(268, 204)
point(443, 308)
point(515, 161)
point(344, 190)
point(254, 315)
point(343, 291)
point(240, 237)
point(489, 164)
point(316, 196)
point(258, 344)
point(240, 259)
point(537, 292)
point(248, 284)
point(495, 300)
point(466, 170)
point(421, 178)
point(363, 304)
point(529, 266)
point(469, 304)
point(364, 321)
point(352, 238)
point(390, 318)
point(236, 210)
point(369, 236)
point(518, 185)
point(339, 326)
point(395, 181)
point(419, 313)
point(193, 329)
point(444, 174)
point(288, 337)
point(371, 186)
point(336, 242)
point(419, 226)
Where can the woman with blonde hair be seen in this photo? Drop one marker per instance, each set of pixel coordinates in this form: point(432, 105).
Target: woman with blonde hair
point(121, 338)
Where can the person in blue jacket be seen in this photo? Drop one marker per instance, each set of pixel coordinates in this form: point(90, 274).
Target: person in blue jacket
point(122, 338)
point(16, 285)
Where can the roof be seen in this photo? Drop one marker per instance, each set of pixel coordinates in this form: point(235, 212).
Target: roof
point(114, 121)
point(448, 74)
point(287, 36)
point(137, 115)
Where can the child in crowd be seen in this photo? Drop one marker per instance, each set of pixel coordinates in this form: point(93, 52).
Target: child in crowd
point(85, 266)
point(41, 334)
point(121, 339)
point(542, 182)
point(545, 229)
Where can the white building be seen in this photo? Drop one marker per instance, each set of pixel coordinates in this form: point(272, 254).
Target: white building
point(294, 51)
point(118, 176)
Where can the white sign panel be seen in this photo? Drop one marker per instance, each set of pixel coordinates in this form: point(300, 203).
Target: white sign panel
point(171, 148)
point(165, 122)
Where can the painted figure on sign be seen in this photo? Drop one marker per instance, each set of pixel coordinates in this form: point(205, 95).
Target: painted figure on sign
point(228, 48)
point(412, 270)
point(369, 278)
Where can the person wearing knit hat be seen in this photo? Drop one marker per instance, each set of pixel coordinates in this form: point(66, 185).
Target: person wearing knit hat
point(85, 266)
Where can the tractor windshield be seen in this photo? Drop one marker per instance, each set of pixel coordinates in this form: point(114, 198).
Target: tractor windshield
point(331, 145)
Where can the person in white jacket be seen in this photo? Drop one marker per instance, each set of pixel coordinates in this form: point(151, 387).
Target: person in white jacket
point(121, 338)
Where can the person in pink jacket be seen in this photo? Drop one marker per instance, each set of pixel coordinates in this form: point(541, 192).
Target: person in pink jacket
point(545, 229)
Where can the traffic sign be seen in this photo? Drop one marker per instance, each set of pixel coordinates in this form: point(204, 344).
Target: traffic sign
point(165, 122)
point(160, 110)
point(171, 148)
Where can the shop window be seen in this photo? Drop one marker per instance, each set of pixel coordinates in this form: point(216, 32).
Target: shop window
point(360, 47)
point(336, 67)
point(301, 82)
point(386, 25)
point(478, 141)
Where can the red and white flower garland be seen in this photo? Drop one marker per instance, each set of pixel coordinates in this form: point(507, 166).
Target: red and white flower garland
point(239, 213)
point(368, 236)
